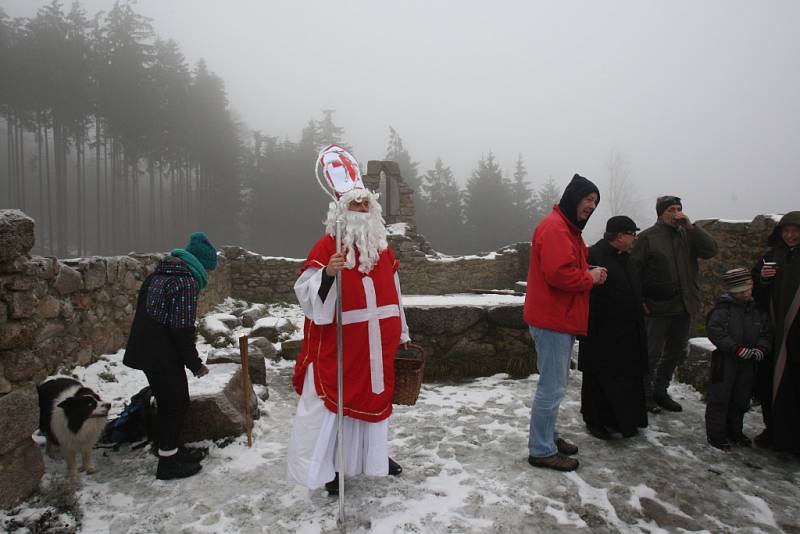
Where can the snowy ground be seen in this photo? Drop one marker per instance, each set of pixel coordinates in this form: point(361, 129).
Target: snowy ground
point(463, 448)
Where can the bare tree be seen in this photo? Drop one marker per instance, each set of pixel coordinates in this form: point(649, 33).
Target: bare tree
point(621, 194)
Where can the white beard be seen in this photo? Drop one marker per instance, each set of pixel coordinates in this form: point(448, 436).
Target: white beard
point(364, 232)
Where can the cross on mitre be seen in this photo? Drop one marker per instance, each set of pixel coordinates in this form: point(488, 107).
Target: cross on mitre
point(341, 169)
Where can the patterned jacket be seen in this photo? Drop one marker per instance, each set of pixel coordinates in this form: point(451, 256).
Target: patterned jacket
point(163, 331)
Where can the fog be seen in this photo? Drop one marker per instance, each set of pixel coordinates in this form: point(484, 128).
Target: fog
point(701, 98)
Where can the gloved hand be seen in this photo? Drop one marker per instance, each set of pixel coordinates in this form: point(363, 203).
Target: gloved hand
point(745, 353)
point(758, 354)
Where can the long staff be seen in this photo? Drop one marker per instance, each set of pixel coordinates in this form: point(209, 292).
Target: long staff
point(340, 380)
point(339, 360)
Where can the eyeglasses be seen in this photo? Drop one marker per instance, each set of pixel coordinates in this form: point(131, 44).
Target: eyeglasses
point(630, 233)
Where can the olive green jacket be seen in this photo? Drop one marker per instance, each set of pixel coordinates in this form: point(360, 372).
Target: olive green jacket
point(665, 260)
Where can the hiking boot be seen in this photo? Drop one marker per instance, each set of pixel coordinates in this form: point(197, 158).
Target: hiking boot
point(333, 486)
point(394, 468)
point(558, 461)
point(566, 447)
point(187, 455)
point(600, 432)
point(722, 445)
point(191, 455)
point(666, 402)
point(171, 467)
point(740, 439)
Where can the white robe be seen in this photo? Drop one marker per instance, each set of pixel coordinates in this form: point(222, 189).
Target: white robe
point(313, 459)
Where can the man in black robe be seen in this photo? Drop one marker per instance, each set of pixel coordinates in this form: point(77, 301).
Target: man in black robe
point(777, 290)
point(613, 355)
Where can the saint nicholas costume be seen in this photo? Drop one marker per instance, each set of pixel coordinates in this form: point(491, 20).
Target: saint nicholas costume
point(373, 325)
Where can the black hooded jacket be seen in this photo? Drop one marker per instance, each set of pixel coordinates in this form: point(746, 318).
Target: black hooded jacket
point(578, 189)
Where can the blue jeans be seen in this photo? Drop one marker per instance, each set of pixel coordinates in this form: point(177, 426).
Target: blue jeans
point(553, 350)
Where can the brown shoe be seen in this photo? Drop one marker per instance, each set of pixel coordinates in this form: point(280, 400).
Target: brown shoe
point(558, 461)
point(566, 447)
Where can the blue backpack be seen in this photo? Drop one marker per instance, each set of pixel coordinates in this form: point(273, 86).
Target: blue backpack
point(136, 423)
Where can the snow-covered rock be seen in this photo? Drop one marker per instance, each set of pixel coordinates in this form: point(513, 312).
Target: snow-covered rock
point(264, 345)
point(253, 314)
point(255, 361)
point(290, 349)
point(272, 328)
point(215, 328)
point(217, 413)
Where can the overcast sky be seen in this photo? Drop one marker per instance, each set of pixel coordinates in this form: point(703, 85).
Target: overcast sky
point(702, 97)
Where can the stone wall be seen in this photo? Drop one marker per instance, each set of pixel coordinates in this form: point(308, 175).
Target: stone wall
point(257, 278)
point(55, 315)
point(741, 244)
point(472, 341)
point(434, 274)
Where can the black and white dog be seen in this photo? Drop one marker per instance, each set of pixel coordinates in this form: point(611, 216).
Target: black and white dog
point(72, 417)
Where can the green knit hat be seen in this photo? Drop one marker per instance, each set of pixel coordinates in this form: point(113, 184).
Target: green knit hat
point(202, 249)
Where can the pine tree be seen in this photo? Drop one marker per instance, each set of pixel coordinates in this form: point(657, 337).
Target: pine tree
point(548, 195)
point(487, 200)
point(523, 209)
point(440, 218)
point(328, 132)
point(396, 151)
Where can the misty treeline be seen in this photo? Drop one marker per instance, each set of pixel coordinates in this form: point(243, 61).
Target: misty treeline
point(113, 143)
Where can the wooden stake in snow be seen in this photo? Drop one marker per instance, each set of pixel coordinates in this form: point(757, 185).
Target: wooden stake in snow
point(248, 414)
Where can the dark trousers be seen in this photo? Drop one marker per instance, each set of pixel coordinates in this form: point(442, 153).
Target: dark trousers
point(171, 391)
point(729, 392)
point(667, 341)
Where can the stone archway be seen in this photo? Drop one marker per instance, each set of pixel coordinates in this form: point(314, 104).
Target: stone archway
point(398, 201)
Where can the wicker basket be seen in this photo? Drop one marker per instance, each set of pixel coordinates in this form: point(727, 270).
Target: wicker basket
point(409, 365)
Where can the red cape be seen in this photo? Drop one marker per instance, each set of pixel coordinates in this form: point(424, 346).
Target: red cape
point(319, 341)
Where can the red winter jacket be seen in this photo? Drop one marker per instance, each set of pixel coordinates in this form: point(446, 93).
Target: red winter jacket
point(559, 283)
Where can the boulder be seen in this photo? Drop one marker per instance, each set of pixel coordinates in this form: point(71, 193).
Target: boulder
point(231, 321)
point(508, 315)
point(22, 470)
point(215, 331)
point(437, 320)
point(253, 314)
point(16, 334)
point(272, 328)
point(695, 369)
point(16, 234)
point(48, 308)
point(94, 273)
point(255, 361)
point(290, 349)
point(471, 350)
point(218, 412)
point(19, 417)
point(264, 345)
point(68, 280)
point(22, 365)
point(22, 304)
